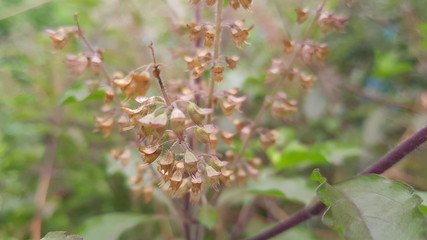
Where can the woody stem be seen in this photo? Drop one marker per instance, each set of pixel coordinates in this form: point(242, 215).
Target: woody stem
point(218, 19)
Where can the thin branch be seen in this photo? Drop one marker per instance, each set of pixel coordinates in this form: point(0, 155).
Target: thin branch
point(218, 19)
point(391, 158)
point(156, 73)
point(92, 49)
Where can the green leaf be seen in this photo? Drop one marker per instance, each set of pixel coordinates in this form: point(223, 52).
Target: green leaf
point(296, 154)
point(208, 216)
point(423, 196)
point(297, 189)
point(110, 226)
point(389, 65)
point(79, 92)
point(61, 235)
point(372, 207)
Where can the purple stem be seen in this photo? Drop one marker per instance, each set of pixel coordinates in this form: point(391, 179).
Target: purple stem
point(391, 158)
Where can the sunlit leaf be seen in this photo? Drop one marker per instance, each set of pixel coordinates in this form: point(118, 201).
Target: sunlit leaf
point(296, 154)
point(372, 207)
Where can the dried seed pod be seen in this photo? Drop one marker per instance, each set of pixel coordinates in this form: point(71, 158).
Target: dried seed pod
point(192, 63)
point(235, 4)
point(175, 181)
point(76, 65)
point(267, 138)
point(218, 162)
point(105, 125)
point(109, 95)
point(239, 34)
point(246, 4)
point(177, 120)
point(210, 2)
point(61, 36)
point(226, 176)
point(227, 107)
point(209, 36)
point(190, 161)
point(227, 137)
point(197, 114)
point(196, 183)
point(302, 15)
point(96, 64)
point(167, 161)
point(150, 154)
point(307, 80)
point(217, 73)
point(195, 31)
point(201, 134)
point(289, 46)
point(134, 84)
point(198, 71)
point(213, 141)
point(232, 61)
point(213, 176)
